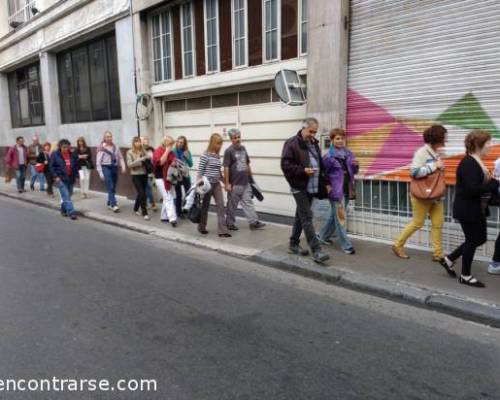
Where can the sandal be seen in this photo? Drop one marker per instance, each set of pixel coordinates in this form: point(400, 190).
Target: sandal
point(470, 281)
point(448, 265)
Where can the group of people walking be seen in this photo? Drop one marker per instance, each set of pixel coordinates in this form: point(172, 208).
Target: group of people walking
point(309, 174)
point(166, 169)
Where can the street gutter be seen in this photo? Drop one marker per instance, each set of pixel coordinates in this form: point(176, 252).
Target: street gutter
point(465, 308)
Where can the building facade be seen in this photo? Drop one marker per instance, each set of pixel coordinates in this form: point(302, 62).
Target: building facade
point(63, 72)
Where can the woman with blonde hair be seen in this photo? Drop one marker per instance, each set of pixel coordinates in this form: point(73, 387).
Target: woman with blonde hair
point(163, 158)
point(109, 160)
point(209, 168)
point(136, 159)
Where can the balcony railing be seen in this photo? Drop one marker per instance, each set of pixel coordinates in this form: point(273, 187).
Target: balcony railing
point(20, 11)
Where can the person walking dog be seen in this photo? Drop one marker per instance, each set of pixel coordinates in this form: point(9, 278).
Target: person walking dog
point(303, 168)
point(237, 176)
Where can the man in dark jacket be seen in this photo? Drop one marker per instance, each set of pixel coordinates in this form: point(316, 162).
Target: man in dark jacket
point(64, 167)
point(303, 168)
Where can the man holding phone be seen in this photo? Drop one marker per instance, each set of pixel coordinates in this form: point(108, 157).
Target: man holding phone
point(302, 166)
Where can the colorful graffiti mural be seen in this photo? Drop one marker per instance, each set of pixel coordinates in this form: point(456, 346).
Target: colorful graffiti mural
point(385, 144)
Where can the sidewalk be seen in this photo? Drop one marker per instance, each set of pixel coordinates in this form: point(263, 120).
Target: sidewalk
point(373, 269)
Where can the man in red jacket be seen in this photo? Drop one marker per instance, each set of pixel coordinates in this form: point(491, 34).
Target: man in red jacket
point(17, 160)
point(303, 168)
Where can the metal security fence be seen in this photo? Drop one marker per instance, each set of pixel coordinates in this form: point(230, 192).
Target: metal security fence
point(382, 209)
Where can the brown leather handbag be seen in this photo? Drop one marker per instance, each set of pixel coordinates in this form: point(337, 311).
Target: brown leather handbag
point(430, 187)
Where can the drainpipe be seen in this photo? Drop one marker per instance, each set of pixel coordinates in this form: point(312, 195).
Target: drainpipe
point(135, 68)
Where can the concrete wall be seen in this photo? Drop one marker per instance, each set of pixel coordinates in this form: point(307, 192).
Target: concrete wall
point(327, 62)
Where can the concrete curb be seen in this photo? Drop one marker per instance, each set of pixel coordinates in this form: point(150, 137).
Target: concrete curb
point(468, 309)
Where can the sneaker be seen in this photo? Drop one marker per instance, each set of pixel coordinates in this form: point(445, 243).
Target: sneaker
point(297, 250)
point(138, 213)
point(448, 265)
point(173, 223)
point(257, 225)
point(115, 209)
point(110, 207)
point(349, 251)
point(320, 257)
point(494, 268)
point(73, 217)
point(232, 227)
point(470, 281)
point(147, 217)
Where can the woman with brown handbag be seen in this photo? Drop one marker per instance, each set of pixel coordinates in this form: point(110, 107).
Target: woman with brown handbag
point(426, 165)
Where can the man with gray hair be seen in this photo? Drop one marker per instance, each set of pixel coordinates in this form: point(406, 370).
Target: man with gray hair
point(237, 177)
point(303, 168)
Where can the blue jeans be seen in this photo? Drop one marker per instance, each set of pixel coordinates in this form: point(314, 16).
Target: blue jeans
point(65, 190)
point(336, 222)
point(149, 192)
point(110, 180)
point(20, 177)
point(36, 175)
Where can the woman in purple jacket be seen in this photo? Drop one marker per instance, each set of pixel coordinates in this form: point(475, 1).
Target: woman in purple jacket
point(340, 168)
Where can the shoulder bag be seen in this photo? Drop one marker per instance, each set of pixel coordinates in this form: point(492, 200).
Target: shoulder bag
point(430, 187)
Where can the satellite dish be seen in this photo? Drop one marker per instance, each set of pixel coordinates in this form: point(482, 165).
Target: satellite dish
point(289, 87)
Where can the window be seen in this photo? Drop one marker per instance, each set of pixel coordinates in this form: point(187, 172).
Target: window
point(271, 22)
point(25, 92)
point(303, 24)
point(211, 35)
point(162, 46)
point(187, 39)
point(88, 82)
point(20, 11)
point(239, 22)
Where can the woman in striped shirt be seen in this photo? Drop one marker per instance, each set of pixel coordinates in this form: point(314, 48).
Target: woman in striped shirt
point(210, 167)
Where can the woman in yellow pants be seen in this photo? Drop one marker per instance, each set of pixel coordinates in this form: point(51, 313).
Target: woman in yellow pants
point(426, 160)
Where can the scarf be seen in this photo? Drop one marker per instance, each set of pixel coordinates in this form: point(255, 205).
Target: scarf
point(337, 153)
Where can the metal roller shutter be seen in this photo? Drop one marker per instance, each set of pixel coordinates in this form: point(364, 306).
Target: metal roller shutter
point(413, 63)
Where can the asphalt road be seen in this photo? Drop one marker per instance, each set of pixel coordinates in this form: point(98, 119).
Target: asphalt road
point(84, 300)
